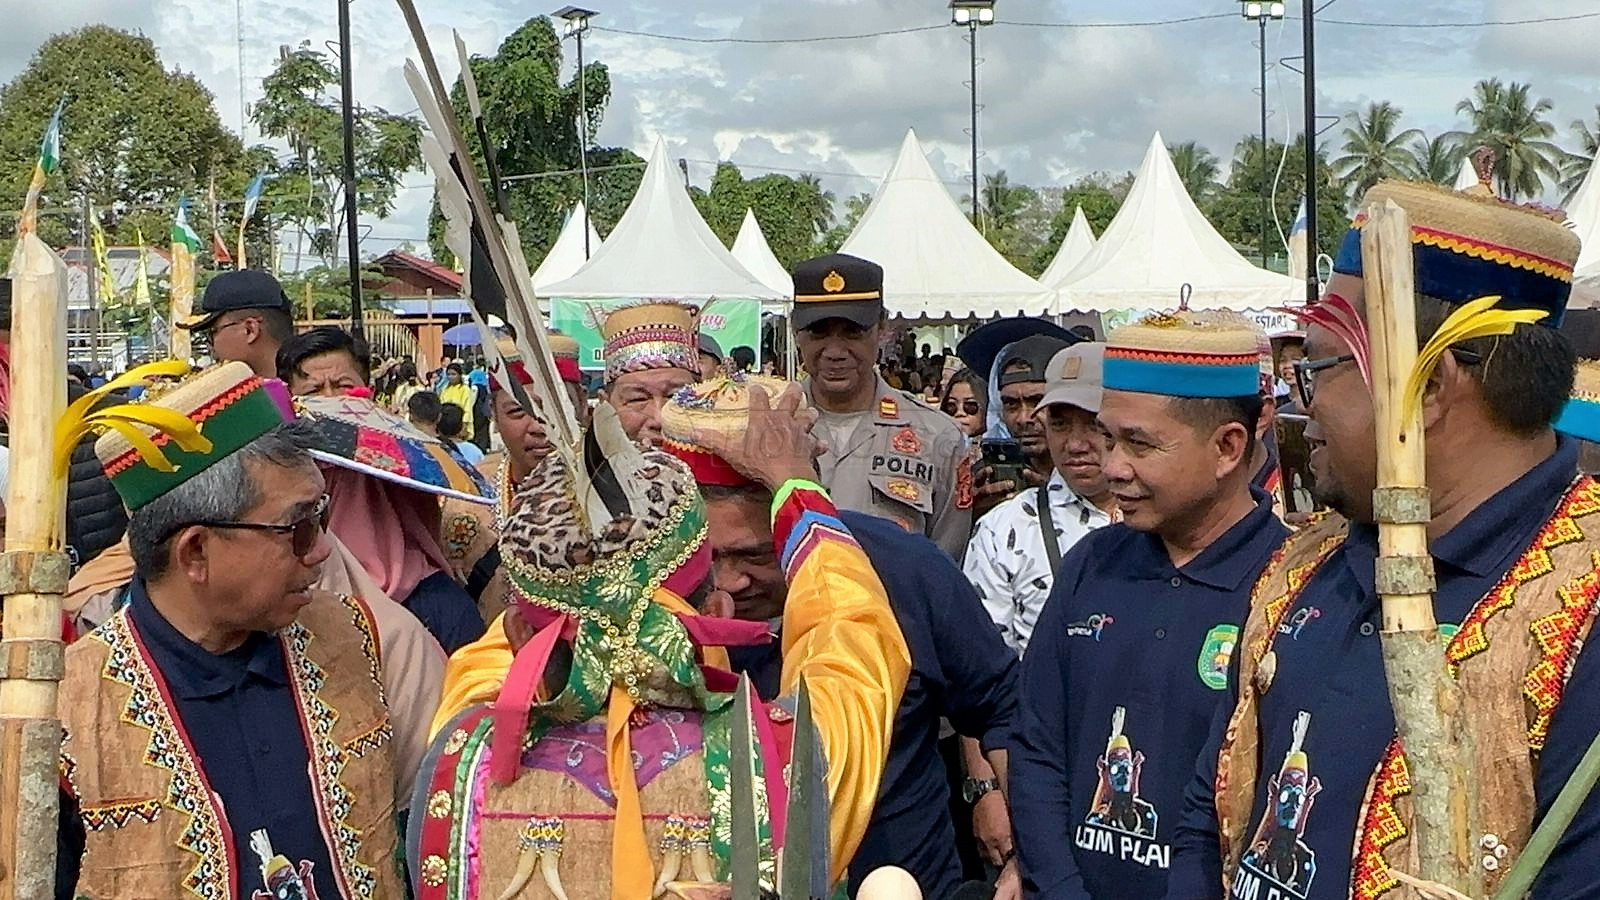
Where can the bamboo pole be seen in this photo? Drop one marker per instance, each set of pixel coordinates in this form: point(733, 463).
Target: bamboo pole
point(33, 575)
point(1429, 717)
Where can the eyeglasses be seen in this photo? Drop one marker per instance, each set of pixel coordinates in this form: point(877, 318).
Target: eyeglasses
point(303, 532)
point(968, 407)
point(1306, 369)
point(212, 332)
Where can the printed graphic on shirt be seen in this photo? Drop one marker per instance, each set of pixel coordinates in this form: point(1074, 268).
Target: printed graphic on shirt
point(1090, 627)
point(283, 881)
point(1278, 865)
point(1120, 823)
point(1215, 654)
point(1296, 622)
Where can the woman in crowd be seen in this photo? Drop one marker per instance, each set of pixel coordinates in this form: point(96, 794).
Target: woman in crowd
point(965, 400)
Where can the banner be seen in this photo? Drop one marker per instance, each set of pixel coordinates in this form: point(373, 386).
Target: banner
point(733, 323)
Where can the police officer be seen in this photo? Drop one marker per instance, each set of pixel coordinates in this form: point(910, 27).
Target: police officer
point(886, 453)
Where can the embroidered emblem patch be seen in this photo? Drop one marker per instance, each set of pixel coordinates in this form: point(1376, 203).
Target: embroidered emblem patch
point(906, 441)
point(833, 282)
point(888, 408)
point(1215, 653)
point(1090, 627)
point(459, 533)
point(904, 490)
point(964, 483)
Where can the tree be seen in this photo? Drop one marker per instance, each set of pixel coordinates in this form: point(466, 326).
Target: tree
point(1505, 119)
point(1575, 164)
point(1236, 209)
point(535, 120)
point(300, 105)
point(1374, 149)
point(1197, 167)
point(788, 210)
point(1436, 159)
point(134, 135)
point(855, 206)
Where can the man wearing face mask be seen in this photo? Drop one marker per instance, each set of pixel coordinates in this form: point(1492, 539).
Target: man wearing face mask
point(886, 452)
point(1129, 657)
point(651, 350)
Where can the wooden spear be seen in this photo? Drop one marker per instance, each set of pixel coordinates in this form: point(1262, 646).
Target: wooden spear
point(1427, 701)
point(33, 576)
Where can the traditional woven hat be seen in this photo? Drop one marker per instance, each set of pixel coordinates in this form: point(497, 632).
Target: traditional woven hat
point(1184, 354)
point(354, 433)
point(565, 350)
point(1580, 418)
point(719, 407)
point(653, 335)
point(231, 406)
point(1470, 245)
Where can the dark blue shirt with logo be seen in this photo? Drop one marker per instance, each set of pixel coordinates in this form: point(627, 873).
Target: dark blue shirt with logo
point(1125, 669)
point(1329, 669)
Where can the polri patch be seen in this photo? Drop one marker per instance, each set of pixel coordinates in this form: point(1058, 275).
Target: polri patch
point(906, 441)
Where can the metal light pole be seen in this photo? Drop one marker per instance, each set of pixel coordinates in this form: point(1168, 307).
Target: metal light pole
point(973, 13)
point(1261, 12)
point(351, 194)
point(1313, 292)
point(577, 19)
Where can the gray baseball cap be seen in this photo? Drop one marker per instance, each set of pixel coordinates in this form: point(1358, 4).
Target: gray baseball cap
point(1074, 377)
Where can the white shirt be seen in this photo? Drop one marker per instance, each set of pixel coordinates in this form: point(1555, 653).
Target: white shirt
point(1007, 562)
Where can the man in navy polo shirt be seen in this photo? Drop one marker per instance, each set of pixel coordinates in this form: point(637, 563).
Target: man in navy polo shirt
point(1130, 654)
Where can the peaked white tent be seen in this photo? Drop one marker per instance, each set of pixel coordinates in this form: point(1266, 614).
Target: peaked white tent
point(662, 248)
point(567, 254)
point(1584, 212)
point(751, 249)
point(1159, 242)
point(935, 264)
point(1074, 247)
point(1468, 176)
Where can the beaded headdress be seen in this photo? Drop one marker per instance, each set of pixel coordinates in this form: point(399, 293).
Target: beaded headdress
point(658, 334)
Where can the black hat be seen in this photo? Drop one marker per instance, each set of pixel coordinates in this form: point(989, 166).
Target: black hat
point(837, 286)
point(1035, 352)
point(246, 289)
point(709, 346)
point(979, 348)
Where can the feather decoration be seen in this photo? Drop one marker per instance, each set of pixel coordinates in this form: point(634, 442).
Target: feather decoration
point(1475, 319)
point(81, 418)
point(1337, 315)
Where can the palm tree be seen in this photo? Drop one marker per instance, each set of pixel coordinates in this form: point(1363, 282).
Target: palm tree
point(1575, 163)
point(1373, 149)
point(1515, 127)
point(1436, 159)
point(820, 203)
point(1197, 167)
point(1002, 201)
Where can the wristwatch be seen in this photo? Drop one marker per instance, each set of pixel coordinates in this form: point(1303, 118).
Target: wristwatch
point(973, 789)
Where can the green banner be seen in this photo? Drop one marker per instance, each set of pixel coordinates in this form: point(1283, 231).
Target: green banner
point(733, 323)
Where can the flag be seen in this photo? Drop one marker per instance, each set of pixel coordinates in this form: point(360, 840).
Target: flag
point(184, 243)
point(181, 232)
point(49, 161)
point(101, 262)
point(219, 250)
point(1297, 244)
point(219, 247)
point(252, 198)
point(141, 281)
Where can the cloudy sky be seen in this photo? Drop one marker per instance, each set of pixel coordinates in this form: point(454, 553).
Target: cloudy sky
point(1058, 101)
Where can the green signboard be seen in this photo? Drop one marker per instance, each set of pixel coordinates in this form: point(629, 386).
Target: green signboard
point(733, 323)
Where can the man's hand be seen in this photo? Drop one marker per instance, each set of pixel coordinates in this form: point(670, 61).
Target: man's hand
point(776, 446)
point(991, 826)
point(1009, 885)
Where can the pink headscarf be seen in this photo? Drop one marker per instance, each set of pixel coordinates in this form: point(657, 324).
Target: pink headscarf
point(393, 530)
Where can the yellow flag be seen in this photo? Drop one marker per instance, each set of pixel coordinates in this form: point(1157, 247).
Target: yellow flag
point(141, 283)
point(102, 261)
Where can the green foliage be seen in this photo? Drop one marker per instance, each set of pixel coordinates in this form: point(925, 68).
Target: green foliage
point(1436, 159)
point(1236, 209)
point(855, 206)
point(1013, 219)
point(1575, 164)
point(330, 290)
point(1197, 169)
point(1506, 119)
point(794, 213)
point(1375, 148)
point(300, 104)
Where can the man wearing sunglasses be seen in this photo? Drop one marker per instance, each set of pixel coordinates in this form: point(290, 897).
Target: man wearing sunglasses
point(244, 316)
point(228, 711)
point(1302, 789)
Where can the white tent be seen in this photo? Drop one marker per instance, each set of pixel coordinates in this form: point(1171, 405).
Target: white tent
point(662, 248)
point(1468, 176)
point(1159, 242)
point(1584, 213)
point(1074, 247)
point(753, 252)
point(567, 255)
point(935, 264)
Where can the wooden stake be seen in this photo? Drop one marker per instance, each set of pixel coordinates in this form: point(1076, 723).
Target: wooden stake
point(181, 304)
point(33, 576)
point(1427, 702)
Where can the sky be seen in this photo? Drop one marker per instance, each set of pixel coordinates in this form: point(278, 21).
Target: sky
point(1058, 102)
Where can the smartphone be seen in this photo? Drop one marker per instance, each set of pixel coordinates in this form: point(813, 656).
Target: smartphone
point(1004, 458)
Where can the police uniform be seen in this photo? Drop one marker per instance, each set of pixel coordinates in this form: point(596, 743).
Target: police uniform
point(905, 461)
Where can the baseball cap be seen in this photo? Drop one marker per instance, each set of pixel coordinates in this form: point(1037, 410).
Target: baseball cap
point(1074, 377)
point(246, 289)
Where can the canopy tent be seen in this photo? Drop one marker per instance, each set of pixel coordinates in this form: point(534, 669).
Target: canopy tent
point(753, 252)
point(568, 254)
point(1074, 247)
point(1158, 243)
point(935, 264)
point(1584, 213)
point(661, 248)
point(1468, 176)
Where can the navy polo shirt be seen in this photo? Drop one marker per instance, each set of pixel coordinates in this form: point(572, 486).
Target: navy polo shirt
point(239, 712)
point(1128, 662)
point(1330, 665)
point(961, 670)
point(445, 608)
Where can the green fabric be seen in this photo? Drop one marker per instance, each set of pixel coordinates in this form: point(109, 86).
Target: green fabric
point(229, 429)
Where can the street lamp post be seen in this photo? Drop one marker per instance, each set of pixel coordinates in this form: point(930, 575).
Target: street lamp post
point(973, 13)
point(1261, 12)
point(577, 19)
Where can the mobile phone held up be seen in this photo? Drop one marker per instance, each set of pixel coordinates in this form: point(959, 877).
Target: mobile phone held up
point(1003, 457)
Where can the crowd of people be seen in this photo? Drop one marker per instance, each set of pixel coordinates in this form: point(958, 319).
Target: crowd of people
point(1064, 624)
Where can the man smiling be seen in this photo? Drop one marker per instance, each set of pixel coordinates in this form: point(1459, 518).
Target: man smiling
point(651, 350)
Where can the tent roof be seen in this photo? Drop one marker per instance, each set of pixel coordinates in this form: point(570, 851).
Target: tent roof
point(567, 254)
point(1468, 176)
point(935, 264)
point(1074, 247)
point(1159, 242)
point(753, 252)
point(1584, 211)
point(662, 248)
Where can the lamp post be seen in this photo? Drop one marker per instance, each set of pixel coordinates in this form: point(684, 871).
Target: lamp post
point(352, 196)
point(973, 13)
point(1308, 34)
point(577, 19)
point(1261, 12)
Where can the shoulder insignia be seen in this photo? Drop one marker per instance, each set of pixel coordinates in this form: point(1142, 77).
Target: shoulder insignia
point(888, 407)
point(905, 490)
point(964, 483)
point(906, 441)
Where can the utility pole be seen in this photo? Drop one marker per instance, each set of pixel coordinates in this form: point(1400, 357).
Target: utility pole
point(351, 195)
point(1308, 33)
point(1266, 167)
point(91, 269)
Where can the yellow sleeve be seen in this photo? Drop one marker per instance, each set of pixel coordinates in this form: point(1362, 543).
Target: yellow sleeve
point(841, 635)
point(474, 674)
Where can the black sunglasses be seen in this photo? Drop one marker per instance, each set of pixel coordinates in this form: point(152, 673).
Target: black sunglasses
point(303, 532)
point(969, 407)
